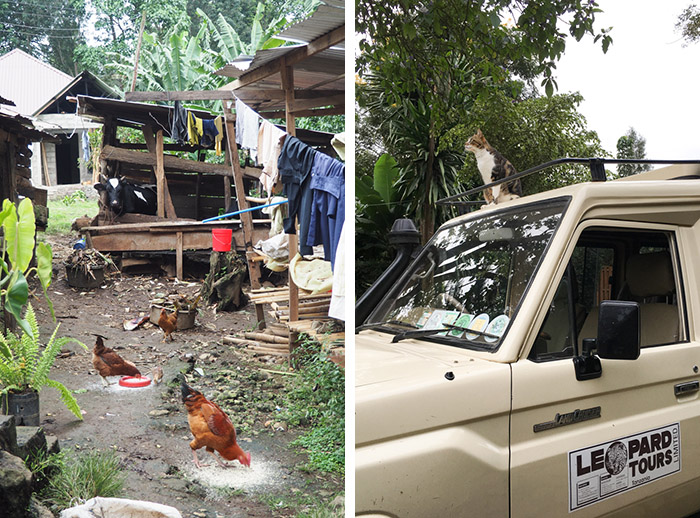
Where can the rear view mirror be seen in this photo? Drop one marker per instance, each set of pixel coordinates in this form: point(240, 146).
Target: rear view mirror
point(618, 330)
point(496, 234)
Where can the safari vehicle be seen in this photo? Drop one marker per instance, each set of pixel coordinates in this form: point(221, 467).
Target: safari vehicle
point(541, 358)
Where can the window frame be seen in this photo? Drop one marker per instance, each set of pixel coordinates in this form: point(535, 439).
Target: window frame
point(673, 232)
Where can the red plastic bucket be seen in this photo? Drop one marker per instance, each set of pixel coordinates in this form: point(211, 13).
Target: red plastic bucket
point(221, 239)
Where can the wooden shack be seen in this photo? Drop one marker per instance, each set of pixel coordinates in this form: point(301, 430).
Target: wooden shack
point(188, 190)
point(16, 135)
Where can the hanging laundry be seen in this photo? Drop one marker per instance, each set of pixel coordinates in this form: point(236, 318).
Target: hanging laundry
point(178, 128)
point(337, 306)
point(294, 164)
point(219, 122)
point(86, 146)
point(194, 129)
point(338, 143)
point(269, 148)
point(209, 133)
point(247, 128)
point(327, 205)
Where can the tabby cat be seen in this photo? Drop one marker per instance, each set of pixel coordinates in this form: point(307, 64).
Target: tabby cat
point(493, 166)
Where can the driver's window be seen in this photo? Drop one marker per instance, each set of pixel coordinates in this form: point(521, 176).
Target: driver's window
point(612, 264)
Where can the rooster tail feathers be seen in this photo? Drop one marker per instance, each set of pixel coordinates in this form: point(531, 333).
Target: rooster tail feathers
point(185, 389)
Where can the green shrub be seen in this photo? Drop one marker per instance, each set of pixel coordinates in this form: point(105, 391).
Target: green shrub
point(83, 476)
point(317, 399)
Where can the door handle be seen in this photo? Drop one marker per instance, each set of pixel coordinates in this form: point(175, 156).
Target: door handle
point(686, 388)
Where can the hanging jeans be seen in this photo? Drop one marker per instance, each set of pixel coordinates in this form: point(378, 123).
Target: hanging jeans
point(294, 164)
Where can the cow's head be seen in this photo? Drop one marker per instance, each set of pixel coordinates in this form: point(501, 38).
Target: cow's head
point(113, 187)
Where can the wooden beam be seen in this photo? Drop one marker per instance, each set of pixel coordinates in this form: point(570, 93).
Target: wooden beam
point(338, 110)
point(136, 241)
point(169, 161)
point(292, 58)
point(307, 104)
point(221, 95)
point(166, 147)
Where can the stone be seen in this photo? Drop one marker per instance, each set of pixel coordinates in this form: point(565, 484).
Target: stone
point(38, 510)
point(158, 413)
point(30, 439)
point(52, 444)
point(15, 486)
point(8, 434)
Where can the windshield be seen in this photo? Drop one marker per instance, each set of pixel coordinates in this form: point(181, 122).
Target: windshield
point(469, 280)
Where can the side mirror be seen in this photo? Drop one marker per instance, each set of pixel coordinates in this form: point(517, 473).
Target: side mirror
point(619, 330)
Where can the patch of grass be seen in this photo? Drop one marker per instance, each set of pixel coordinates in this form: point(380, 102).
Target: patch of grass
point(83, 476)
point(44, 466)
point(62, 214)
point(317, 398)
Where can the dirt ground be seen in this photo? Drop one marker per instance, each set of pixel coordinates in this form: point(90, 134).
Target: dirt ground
point(148, 426)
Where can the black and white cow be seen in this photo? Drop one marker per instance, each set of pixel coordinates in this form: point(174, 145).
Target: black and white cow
point(125, 197)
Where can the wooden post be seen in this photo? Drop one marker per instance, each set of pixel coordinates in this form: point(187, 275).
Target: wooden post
point(227, 188)
point(160, 175)
point(155, 146)
point(178, 257)
point(246, 217)
point(138, 51)
point(287, 75)
point(45, 165)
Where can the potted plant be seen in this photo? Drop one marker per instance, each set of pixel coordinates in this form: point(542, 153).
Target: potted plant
point(24, 371)
point(23, 368)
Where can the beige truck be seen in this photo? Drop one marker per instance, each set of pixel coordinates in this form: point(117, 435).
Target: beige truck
point(540, 358)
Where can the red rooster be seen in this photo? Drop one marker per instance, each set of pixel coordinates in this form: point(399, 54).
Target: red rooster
point(211, 428)
point(109, 363)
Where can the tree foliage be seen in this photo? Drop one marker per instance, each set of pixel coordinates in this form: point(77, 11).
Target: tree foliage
point(426, 64)
point(50, 30)
point(631, 145)
point(689, 24)
point(529, 133)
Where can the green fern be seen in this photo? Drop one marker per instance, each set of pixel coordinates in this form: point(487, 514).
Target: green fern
point(67, 398)
point(23, 366)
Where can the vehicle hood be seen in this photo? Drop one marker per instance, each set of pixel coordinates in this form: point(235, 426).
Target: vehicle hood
point(413, 385)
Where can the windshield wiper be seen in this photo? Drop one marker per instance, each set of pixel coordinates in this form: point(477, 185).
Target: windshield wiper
point(375, 325)
point(447, 327)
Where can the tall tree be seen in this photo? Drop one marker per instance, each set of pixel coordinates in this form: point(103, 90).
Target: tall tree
point(49, 30)
point(632, 145)
point(441, 56)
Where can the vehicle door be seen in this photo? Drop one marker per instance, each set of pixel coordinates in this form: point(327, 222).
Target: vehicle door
point(624, 443)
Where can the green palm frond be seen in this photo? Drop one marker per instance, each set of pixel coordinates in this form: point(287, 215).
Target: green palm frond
point(48, 357)
point(67, 398)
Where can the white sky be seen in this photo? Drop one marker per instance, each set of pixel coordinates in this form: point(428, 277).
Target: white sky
point(647, 79)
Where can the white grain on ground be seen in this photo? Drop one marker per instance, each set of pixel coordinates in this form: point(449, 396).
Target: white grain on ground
point(262, 474)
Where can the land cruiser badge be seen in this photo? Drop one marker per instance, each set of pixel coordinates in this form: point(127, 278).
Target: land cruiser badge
point(572, 417)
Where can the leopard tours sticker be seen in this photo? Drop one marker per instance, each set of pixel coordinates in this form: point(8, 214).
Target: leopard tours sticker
point(610, 468)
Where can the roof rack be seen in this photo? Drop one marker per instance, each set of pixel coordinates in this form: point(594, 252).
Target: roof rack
point(595, 164)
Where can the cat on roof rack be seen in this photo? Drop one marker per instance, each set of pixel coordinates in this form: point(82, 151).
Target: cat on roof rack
point(493, 166)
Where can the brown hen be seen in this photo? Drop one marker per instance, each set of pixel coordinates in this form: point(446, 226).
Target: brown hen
point(168, 323)
point(109, 363)
point(211, 428)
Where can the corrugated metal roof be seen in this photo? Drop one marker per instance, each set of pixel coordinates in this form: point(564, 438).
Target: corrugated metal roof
point(28, 81)
point(324, 20)
point(332, 58)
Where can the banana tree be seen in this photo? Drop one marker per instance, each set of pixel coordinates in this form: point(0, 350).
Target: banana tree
point(19, 228)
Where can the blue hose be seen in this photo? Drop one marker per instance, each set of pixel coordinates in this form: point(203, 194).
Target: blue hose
point(242, 211)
